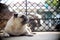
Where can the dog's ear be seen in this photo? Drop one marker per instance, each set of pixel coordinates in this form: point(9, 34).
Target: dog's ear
point(15, 15)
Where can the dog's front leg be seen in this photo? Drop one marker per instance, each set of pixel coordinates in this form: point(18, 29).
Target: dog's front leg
point(4, 34)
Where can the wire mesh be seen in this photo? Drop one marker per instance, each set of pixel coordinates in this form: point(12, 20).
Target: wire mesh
point(44, 18)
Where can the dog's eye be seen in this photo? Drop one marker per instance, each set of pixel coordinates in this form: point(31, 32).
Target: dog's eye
point(22, 16)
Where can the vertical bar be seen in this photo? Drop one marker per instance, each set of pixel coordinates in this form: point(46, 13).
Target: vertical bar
point(26, 7)
point(0, 1)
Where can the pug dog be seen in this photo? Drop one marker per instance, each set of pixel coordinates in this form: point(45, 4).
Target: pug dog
point(18, 25)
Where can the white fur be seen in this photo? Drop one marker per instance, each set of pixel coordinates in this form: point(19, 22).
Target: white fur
point(15, 27)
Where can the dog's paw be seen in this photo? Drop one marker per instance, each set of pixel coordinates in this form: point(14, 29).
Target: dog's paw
point(6, 34)
point(3, 34)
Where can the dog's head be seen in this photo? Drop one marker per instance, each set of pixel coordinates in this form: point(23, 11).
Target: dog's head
point(21, 17)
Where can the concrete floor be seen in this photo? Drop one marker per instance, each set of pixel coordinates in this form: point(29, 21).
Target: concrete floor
point(38, 36)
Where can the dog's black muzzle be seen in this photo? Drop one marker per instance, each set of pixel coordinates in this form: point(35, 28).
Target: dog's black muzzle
point(25, 19)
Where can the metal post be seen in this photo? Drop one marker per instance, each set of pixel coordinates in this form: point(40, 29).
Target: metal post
point(26, 7)
point(0, 1)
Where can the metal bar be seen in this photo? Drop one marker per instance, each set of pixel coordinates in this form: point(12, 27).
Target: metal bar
point(26, 7)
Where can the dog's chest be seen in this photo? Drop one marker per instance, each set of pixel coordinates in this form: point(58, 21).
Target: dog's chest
point(18, 29)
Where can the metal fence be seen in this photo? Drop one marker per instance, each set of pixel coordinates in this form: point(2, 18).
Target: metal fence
point(49, 17)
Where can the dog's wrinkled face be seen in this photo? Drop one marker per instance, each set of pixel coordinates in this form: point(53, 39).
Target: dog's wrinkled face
point(23, 18)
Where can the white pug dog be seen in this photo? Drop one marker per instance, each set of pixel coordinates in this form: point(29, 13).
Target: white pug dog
point(17, 25)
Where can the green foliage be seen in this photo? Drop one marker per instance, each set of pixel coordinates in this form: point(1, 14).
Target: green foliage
point(53, 3)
